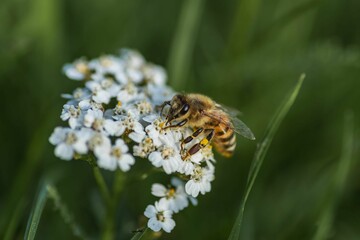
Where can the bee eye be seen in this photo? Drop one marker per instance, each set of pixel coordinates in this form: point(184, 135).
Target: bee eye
point(185, 109)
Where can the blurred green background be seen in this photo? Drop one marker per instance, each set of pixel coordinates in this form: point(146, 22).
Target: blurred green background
point(246, 54)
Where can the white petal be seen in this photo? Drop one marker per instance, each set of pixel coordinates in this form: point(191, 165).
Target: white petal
point(163, 205)
point(126, 161)
point(156, 159)
point(168, 225)
point(170, 165)
point(102, 97)
point(80, 147)
point(193, 201)
point(64, 151)
point(85, 104)
point(138, 127)
point(107, 162)
point(150, 211)
point(136, 137)
point(154, 224)
point(72, 73)
point(192, 188)
point(57, 136)
point(121, 144)
point(187, 168)
point(111, 127)
point(73, 122)
point(181, 202)
point(176, 182)
point(102, 151)
point(150, 118)
point(158, 190)
point(123, 96)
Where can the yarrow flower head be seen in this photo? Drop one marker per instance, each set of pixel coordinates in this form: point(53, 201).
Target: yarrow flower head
point(114, 118)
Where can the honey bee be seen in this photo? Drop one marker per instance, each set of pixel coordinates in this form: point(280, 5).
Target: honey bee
point(204, 115)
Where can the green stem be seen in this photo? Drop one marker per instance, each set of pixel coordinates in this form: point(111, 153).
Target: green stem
point(100, 181)
point(110, 217)
point(101, 184)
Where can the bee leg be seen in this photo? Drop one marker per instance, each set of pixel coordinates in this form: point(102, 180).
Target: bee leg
point(205, 141)
point(161, 107)
point(179, 124)
point(191, 137)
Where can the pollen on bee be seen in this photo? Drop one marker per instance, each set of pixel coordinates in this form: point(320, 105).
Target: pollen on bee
point(119, 104)
point(204, 142)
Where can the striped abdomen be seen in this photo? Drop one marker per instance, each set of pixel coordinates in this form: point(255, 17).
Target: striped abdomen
point(224, 140)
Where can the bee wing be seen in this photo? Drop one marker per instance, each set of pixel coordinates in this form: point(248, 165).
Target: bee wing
point(233, 112)
point(233, 122)
point(241, 128)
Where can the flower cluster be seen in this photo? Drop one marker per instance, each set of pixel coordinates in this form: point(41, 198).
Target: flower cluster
point(115, 118)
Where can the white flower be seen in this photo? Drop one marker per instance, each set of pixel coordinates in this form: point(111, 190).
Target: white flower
point(71, 113)
point(94, 119)
point(133, 59)
point(199, 181)
point(140, 108)
point(159, 94)
point(99, 143)
point(87, 104)
point(167, 156)
point(114, 156)
point(133, 127)
point(145, 147)
point(109, 66)
point(154, 74)
point(102, 127)
point(114, 128)
point(69, 141)
point(79, 70)
point(129, 93)
point(78, 95)
point(99, 94)
point(187, 165)
point(174, 195)
point(157, 132)
point(160, 217)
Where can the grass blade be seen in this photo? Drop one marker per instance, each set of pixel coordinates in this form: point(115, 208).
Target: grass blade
point(36, 212)
point(13, 223)
point(139, 234)
point(242, 27)
point(184, 41)
point(263, 35)
point(332, 198)
point(261, 152)
point(65, 212)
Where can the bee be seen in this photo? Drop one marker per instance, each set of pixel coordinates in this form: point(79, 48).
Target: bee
point(205, 116)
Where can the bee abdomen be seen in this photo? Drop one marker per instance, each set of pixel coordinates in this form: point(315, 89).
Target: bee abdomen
point(225, 142)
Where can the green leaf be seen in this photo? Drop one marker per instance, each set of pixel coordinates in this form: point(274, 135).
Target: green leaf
point(184, 41)
point(260, 154)
point(335, 191)
point(139, 234)
point(36, 212)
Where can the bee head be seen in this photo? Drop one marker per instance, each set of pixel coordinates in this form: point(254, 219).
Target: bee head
point(179, 108)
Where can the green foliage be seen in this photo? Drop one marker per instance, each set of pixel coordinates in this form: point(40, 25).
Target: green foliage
point(260, 154)
point(240, 53)
point(36, 212)
point(139, 234)
point(338, 184)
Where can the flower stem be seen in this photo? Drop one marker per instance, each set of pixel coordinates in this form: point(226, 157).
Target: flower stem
point(110, 217)
point(101, 184)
